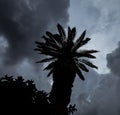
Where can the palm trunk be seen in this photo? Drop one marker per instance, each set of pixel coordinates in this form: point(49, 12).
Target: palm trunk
point(63, 77)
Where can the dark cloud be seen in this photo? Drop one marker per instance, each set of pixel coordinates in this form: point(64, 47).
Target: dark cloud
point(114, 61)
point(100, 94)
point(24, 21)
point(21, 23)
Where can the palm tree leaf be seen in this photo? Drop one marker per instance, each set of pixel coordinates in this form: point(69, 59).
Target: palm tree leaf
point(45, 60)
point(72, 35)
point(52, 44)
point(78, 41)
point(69, 31)
point(39, 43)
point(83, 67)
point(61, 31)
point(52, 38)
point(45, 49)
point(50, 66)
point(47, 38)
point(49, 48)
point(88, 63)
point(50, 53)
point(51, 71)
point(84, 55)
point(37, 49)
point(58, 38)
point(79, 73)
point(85, 41)
point(88, 51)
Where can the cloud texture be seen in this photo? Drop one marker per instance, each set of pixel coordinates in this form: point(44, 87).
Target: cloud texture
point(21, 23)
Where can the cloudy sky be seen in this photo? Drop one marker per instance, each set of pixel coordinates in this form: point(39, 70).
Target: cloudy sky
point(24, 21)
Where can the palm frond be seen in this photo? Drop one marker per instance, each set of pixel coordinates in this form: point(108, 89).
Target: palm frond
point(58, 38)
point(50, 53)
point(46, 60)
point(71, 35)
point(85, 41)
point(84, 55)
point(52, 44)
point(87, 51)
point(50, 66)
point(51, 71)
point(61, 31)
point(88, 63)
point(46, 38)
point(39, 43)
point(69, 31)
point(50, 35)
point(46, 49)
point(83, 67)
point(78, 41)
point(79, 73)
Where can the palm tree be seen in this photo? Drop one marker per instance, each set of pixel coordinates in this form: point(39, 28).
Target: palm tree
point(65, 61)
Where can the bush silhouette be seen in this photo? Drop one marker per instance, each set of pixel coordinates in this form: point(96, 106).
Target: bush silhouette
point(20, 96)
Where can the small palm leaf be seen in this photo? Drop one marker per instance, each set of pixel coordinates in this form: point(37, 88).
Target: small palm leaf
point(50, 66)
point(83, 67)
point(51, 53)
point(46, 38)
point(61, 31)
point(39, 43)
point(51, 71)
point(52, 44)
point(69, 32)
point(84, 55)
point(46, 60)
point(88, 63)
point(50, 35)
point(87, 51)
point(78, 42)
point(79, 73)
point(85, 41)
point(71, 35)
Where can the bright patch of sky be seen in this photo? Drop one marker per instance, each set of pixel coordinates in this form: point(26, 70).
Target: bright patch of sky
point(101, 19)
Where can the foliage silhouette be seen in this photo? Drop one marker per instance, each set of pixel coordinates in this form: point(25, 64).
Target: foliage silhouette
point(18, 96)
point(66, 61)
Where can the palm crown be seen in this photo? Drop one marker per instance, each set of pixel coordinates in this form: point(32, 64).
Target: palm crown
point(63, 47)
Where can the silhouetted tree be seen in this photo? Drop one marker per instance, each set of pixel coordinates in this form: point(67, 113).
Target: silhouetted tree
point(67, 60)
point(18, 96)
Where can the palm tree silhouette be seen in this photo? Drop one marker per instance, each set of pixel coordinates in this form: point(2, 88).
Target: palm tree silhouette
point(66, 60)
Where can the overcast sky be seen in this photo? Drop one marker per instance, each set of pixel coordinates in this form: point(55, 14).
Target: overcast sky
point(24, 21)
point(99, 94)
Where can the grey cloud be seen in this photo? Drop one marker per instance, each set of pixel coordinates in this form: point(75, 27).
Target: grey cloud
point(99, 94)
point(101, 19)
point(102, 98)
point(114, 61)
point(22, 22)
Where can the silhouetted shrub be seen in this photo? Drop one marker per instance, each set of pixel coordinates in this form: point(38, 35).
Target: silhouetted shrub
point(20, 96)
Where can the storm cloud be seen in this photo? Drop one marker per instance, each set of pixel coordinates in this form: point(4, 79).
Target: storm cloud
point(100, 93)
point(24, 21)
point(21, 23)
point(101, 19)
point(114, 61)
